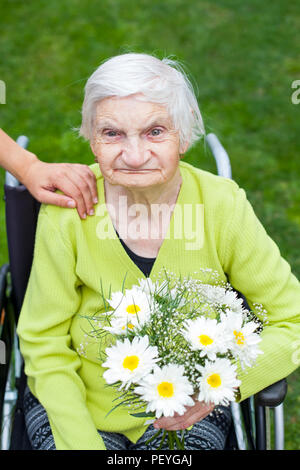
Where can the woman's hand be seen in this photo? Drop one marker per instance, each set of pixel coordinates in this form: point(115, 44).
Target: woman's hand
point(192, 415)
point(76, 181)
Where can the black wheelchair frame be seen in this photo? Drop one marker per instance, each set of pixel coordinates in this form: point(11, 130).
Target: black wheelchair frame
point(251, 428)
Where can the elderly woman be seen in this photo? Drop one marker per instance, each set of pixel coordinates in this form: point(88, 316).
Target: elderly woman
point(141, 116)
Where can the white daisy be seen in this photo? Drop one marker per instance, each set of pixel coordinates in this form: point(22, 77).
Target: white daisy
point(128, 362)
point(162, 289)
point(166, 390)
point(217, 382)
point(205, 335)
point(243, 339)
point(233, 302)
point(121, 326)
point(134, 306)
point(148, 286)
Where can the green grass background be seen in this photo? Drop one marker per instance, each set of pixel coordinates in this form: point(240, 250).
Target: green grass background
point(242, 55)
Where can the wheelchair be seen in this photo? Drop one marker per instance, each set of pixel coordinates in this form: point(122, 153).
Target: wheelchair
point(252, 425)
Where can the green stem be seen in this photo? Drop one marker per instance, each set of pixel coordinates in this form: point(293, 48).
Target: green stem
point(182, 437)
point(179, 443)
point(171, 439)
point(153, 437)
point(162, 439)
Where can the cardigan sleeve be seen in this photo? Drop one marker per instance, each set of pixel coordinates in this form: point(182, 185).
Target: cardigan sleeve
point(52, 298)
point(255, 267)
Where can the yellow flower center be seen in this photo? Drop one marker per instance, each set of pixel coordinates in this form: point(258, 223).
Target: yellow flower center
point(131, 362)
point(165, 389)
point(205, 340)
point(214, 380)
point(133, 309)
point(129, 325)
point(239, 337)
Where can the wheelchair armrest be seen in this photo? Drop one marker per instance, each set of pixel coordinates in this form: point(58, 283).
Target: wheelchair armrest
point(273, 395)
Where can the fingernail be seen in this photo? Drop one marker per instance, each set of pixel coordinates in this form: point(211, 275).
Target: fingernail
point(91, 212)
point(95, 200)
point(71, 204)
point(84, 216)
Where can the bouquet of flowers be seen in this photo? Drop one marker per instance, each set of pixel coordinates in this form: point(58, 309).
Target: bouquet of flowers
point(176, 339)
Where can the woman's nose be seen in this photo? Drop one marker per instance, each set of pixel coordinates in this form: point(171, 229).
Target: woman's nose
point(135, 153)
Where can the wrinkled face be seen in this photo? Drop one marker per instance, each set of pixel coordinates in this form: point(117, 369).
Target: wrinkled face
point(135, 142)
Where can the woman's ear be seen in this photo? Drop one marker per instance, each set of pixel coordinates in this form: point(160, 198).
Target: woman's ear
point(92, 145)
point(183, 149)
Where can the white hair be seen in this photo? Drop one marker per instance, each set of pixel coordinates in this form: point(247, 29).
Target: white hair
point(160, 81)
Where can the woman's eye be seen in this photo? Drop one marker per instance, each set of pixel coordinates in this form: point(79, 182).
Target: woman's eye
point(111, 133)
point(155, 132)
